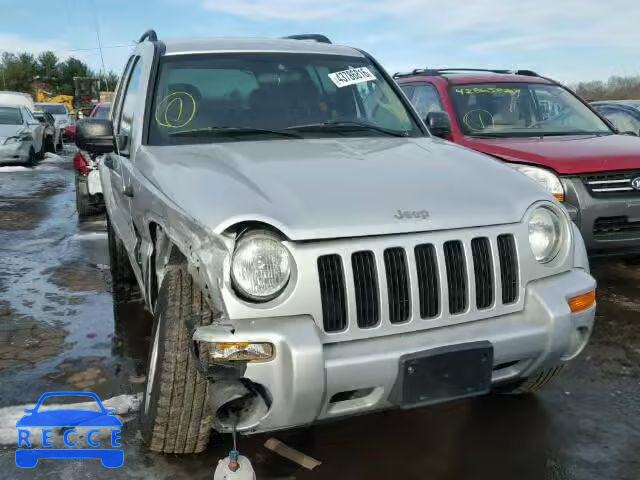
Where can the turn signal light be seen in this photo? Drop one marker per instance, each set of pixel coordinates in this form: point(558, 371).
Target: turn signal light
point(582, 302)
point(559, 196)
point(241, 352)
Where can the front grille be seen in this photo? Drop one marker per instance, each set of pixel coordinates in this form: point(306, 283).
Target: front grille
point(456, 276)
point(483, 271)
point(611, 227)
point(614, 184)
point(508, 268)
point(365, 281)
point(428, 286)
point(395, 264)
point(334, 308)
point(432, 267)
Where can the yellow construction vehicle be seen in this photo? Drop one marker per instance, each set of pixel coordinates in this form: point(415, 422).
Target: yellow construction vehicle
point(43, 96)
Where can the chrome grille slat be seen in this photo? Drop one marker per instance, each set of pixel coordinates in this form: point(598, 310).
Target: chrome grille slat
point(611, 184)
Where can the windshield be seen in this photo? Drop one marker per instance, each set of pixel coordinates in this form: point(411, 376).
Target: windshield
point(53, 109)
point(262, 94)
point(100, 111)
point(10, 116)
point(522, 109)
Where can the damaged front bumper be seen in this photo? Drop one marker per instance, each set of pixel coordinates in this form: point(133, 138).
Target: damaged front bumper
point(308, 381)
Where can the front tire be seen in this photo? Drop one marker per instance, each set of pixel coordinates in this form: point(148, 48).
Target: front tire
point(83, 205)
point(176, 416)
point(530, 384)
point(121, 271)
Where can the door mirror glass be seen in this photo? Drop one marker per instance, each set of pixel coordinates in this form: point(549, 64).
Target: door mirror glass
point(94, 135)
point(439, 124)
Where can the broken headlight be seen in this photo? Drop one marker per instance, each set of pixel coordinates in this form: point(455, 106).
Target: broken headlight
point(260, 267)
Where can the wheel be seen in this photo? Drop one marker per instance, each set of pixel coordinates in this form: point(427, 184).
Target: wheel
point(49, 145)
point(530, 384)
point(121, 271)
point(40, 154)
point(31, 160)
point(83, 205)
point(176, 416)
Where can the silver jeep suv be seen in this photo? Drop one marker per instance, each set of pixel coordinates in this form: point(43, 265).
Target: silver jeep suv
point(310, 252)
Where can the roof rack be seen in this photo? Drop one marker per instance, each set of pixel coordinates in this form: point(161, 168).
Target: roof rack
point(440, 71)
point(150, 35)
point(316, 37)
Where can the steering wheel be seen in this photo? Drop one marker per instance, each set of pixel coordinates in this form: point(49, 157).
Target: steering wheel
point(478, 119)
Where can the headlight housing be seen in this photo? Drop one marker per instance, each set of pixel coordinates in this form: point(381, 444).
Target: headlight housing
point(549, 181)
point(260, 267)
point(545, 234)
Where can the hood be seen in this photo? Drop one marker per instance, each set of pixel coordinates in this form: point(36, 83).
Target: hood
point(60, 116)
point(331, 188)
point(568, 155)
point(9, 131)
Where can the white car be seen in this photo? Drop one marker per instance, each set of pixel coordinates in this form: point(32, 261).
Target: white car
point(17, 98)
point(60, 112)
point(21, 135)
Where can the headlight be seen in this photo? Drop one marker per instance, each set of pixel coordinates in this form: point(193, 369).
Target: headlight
point(544, 177)
point(260, 267)
point(545, 234)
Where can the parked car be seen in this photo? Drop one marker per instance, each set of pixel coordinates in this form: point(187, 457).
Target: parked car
point(21, 135)
point(60, 112)
point(545, 131)
point(17, 98)
point(52, 134)
point(309, 251)
point(89, 200)
point(623, 114)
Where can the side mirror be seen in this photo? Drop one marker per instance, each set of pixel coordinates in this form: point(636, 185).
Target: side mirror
point(94, 135)
point(439, 124)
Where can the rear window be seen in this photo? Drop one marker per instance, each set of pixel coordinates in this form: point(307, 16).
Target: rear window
point(54, 109)
point(101, 111)
point(10, 116)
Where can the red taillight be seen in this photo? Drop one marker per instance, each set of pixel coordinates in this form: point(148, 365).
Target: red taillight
point(81, 163)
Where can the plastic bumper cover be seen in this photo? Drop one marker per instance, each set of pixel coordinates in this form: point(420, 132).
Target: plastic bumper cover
point(305, 374)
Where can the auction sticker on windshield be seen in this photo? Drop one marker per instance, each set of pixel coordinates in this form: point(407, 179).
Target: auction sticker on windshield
point(352, 76)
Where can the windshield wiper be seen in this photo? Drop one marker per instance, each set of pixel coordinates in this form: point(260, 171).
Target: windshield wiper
point(347, 125)
point(231, 132)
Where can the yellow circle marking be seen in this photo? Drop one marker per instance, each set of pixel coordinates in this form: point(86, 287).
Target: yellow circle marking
point(184, 102)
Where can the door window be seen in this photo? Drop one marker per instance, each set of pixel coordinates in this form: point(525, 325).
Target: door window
point(127, 113)
point(426, 100)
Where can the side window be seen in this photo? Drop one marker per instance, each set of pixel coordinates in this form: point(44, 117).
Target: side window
point(29, 116)
point(426, 100)
point(127, 113)
point(623, 121)
point(408, 90)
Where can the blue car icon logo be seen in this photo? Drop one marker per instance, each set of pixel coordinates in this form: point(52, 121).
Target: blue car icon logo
point(67, 419)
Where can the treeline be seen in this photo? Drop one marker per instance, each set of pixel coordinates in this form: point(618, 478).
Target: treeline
point(616, 88)
point(19, 71)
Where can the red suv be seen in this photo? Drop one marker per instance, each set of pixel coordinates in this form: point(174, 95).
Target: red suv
point(548, 133)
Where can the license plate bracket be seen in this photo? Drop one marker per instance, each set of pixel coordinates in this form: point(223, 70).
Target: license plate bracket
point(443, 374)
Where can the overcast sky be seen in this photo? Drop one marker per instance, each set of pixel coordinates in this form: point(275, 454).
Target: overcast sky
point(569, 40)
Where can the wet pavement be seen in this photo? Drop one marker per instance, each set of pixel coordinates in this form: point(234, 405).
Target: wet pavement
point(57, 309)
